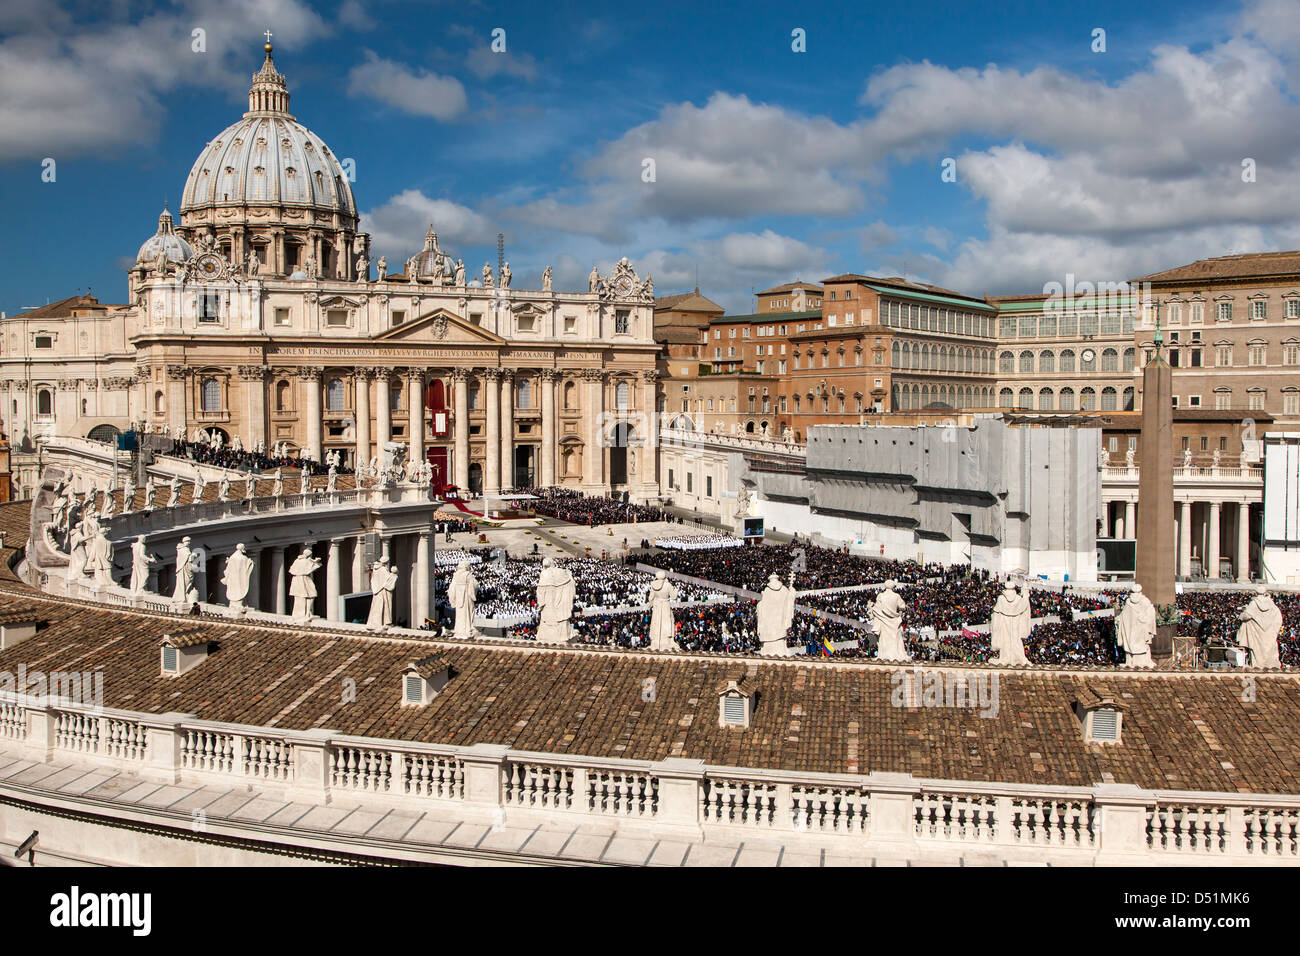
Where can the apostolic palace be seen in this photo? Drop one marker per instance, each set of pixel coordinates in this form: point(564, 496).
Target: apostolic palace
point(260, 315)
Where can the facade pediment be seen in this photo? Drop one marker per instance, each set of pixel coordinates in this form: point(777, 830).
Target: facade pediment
point(441, 326)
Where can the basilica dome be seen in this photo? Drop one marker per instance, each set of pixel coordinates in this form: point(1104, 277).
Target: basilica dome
point(268, 186)
point(268, 157)
point(165, 240)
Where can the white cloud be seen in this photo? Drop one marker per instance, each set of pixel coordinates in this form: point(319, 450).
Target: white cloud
point(415, 91)
point(70, 86)
point(398, 226)
point(485, 64)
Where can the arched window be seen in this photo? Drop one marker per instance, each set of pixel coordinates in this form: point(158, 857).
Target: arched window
point(1067, 360)
point(159, 402)
point(895, 354)
point(334, 397)
point(1046, 400)
point(1128, 399)
point(620, 396)
point(1046, 362)
point(524, 393)
point(211, 397)
point(1109, 398)
point(570, 394)
point(1110, 360)
point(1087, 400)
point(1026, 398)
point(1128, 360)
point(103, 433)
point(1006, 362)
point(1065, 399)
point(1026, 361)
point(1005, 398)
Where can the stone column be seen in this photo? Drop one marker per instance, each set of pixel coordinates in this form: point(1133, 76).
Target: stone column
point(361, 406)
point(254, 596)
point(1184, 538)
point(1243, 543)
point(492, 445)
point(1212, 549)
point(415, 411)
point(311, 377)
point(254, 378)
point(178, 383)
point(507, 429)
point(648, 459)
point(279, 599)
point(384, 408)
point(1130, 518)
point(549, 375)
point(420, 580)
point(460, 428)
point(332, 581)
point(593, 454)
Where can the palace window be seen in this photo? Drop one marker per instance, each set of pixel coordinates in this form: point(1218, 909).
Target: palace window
point(211, 395)
point(1222, 398)
point(1067, 360)
point(1065, 400)
point(1291, 402)
point(44, 403)
point(1257, 353)
point(1223, 312)
point(1087, 400)
point(209, 307)
point(1110, 360)
point(1256, 398)
point(1128, 360)
point(1259, 309)
point(334, 396)
point(1026, 361)
point(524, 393)
point(1293, 308)
point(1291, 352)
point(1197, 314)
point(1006, 362)
point(1046, 362)
point(1109, 399)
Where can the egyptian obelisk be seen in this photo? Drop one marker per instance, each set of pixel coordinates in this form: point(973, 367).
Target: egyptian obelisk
point(1155, 519)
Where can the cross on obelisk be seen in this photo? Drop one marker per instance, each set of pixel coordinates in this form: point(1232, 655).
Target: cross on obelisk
point(1155, 518)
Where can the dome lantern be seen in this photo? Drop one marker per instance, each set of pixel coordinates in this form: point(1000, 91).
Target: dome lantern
point(269, 92)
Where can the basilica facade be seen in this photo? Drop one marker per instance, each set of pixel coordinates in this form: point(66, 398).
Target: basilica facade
point(259, 315)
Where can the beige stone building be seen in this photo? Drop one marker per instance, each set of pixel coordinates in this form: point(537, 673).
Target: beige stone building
point(256, 315)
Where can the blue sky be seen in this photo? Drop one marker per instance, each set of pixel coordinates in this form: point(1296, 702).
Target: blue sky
point(769, 164)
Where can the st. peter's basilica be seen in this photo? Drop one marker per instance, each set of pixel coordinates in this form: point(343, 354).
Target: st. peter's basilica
point(257, 315)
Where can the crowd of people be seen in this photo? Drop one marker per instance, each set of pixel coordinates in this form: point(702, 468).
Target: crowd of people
point(224, 456)
point(1213, 616)
point(813, 567)
point(508, 588)
point(568, 504)
point(697, 542)
point(957, 602)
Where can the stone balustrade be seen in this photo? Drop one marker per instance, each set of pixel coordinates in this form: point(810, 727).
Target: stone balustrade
point(1104, 823)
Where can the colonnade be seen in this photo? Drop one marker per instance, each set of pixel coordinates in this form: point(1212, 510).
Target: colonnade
point(345, 569)
point(1204, 531)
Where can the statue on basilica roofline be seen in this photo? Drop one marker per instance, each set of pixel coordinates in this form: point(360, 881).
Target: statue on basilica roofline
point(460, 273)
point(363, 269)
point(546, 279)
point(506, 275)
point(382, 268)
point(487, 275)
